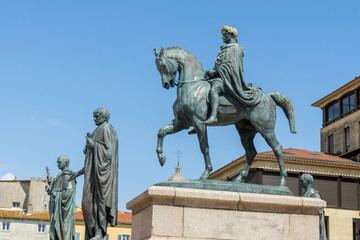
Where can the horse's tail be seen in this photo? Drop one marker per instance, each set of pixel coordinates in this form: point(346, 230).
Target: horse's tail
point(287, 106)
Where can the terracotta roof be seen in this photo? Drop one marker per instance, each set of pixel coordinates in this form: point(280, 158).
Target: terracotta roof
point(26, 180)
point(23, 214)
point(301, 155)
point(305, 156)
point(15, 180)
point(123, 217)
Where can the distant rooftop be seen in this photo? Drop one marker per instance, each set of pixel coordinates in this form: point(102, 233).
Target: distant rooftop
point(123, 217)
point(25, 180)
point(301, 155)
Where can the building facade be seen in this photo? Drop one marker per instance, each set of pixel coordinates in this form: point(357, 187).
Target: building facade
point(340, 134)
point(19, 225)
point(122, 231)
point(29, 195)
point(336, 179)
point(24, 213)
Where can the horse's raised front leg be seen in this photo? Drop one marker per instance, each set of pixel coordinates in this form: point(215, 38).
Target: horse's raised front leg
point(172, 127)
point(201, 131)
point(247, 139)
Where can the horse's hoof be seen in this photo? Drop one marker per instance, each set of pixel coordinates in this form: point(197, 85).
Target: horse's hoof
point(239, 179)
point(162, 160)
point(204, 176)
point(282, 182)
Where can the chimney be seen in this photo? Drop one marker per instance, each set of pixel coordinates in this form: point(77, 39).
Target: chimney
point(30, 209)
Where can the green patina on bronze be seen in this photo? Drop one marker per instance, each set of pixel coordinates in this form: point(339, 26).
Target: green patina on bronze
point(100, 192)
point(232, 101)
point(62, 202)
point(229, 186)
point(306, 181)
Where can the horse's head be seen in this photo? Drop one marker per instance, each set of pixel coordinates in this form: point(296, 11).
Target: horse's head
point(167, 68)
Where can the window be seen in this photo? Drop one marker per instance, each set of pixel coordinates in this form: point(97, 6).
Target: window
point(5, 226)
point(356, 228)
point(41, 228)
point(77, 236)
point(332, 111)
point(331, 144)
point(348, 103)
point(347, 139)
point(123, 237)
point(16, 205)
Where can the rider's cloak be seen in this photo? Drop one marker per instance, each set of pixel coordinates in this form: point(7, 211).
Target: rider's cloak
point(62, 207)
point(229, 65)
point(100, 193)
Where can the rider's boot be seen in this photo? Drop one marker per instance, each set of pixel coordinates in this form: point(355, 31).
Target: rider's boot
point(214, 101)
point(193, 131)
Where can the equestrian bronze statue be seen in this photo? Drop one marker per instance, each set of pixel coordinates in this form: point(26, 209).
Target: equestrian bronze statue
point(220, 97)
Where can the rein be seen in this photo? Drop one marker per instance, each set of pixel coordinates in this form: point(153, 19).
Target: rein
point(172, 77)
point(190, 81)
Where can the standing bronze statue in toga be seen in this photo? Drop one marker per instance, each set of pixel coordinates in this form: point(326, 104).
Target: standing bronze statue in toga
point(100, 193)
point(62, 202)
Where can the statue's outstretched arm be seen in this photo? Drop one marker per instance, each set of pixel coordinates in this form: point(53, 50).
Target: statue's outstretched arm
point(76, 174)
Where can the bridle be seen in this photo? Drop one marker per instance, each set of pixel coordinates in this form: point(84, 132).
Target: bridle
point(169, 61)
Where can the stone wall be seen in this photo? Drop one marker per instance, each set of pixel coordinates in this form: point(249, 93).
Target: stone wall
point(31, 194)
point(164, 213)
point(337, 130)
point(38, 196)
point(14, 191)
point(341, 223)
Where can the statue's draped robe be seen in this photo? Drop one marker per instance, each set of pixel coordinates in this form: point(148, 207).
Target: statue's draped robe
point(100, 194)
point(229, 65)
point(62, 207)
point(313, 193)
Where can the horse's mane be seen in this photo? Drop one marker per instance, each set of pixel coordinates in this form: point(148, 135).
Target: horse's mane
point(180, 56)
point(177, 48)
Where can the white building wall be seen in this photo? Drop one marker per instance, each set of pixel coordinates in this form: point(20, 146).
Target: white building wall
point(24, 229)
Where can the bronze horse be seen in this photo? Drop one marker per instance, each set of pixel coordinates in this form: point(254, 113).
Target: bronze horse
point(191, 108)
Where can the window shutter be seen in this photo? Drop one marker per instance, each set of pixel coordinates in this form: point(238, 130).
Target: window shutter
point(349, 194)
point(328, 188)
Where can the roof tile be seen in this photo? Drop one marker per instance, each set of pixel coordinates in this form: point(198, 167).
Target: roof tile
point(305, 156)
point(123, 217)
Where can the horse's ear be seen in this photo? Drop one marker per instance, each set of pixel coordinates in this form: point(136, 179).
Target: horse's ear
point(156, 52)
point(161, 51)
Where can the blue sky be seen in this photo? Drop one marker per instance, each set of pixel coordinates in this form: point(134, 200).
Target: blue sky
point(59, 60)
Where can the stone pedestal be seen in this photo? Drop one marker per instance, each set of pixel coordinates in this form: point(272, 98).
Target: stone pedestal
point(180, 213)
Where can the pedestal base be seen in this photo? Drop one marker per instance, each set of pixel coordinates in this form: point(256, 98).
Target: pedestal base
point(228, 186)
point(181, 213)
